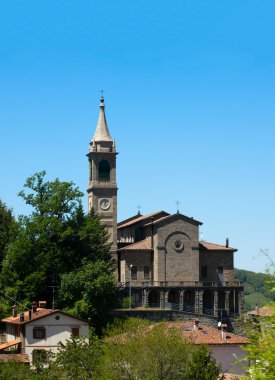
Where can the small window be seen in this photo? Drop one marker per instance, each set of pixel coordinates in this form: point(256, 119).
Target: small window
point(204, 271)
point(39, 357)
point(75, 331)
point(146, 273)
point(133, 273)
point(220, 270)
point(39, 333)
point(104, 170)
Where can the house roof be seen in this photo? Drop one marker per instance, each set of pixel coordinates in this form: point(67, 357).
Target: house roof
point(216, 247)
point(132, 221)
point(22, 358)
point(11, 343)
point(207, 335)
point(266, 311)
point(167, 217)
point(40, 313)
point(143, 245)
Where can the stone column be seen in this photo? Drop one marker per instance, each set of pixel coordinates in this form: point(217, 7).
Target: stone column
point(145, 297)
point(181, 303)
point(216, 303)
point(162, 300)
point(201, 301)
point(241, 302)
point(166, 293)
point(226, 301)
point(197, 295)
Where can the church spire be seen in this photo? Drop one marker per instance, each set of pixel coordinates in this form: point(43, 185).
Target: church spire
point(102, 132)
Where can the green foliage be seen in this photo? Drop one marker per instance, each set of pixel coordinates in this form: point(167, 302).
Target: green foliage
point(255, 283)
point(89, 291)
point(8, 229)
point(154, 353)
point(57, 244)
point(261, 349)
point(78, 358)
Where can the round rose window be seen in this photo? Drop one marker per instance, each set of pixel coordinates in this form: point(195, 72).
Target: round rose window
point(178, 245)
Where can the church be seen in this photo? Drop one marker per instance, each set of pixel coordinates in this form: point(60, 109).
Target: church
point(160, 262)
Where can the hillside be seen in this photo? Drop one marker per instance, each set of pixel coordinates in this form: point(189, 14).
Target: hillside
point(255, 287)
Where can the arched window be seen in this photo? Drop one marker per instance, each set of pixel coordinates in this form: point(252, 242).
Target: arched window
point(104, 170)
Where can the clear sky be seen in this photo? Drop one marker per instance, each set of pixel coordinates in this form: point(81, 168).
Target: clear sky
point(189, 93)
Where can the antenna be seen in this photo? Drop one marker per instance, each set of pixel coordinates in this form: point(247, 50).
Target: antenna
point(201, 236)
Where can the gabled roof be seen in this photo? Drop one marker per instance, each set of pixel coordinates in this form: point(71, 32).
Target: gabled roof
point(143, 245)
point(208, 335)
point(265, 311)
point(22, 358)
point(216, 247)
point(11, 343)
point(40, 313)
point(172, 216)
point(130, 221)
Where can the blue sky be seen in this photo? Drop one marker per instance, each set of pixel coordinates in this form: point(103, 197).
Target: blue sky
point(189, 89)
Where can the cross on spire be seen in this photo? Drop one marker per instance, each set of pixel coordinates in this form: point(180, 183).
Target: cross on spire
point(178, 203)
point(138, 207)
point(102, 92)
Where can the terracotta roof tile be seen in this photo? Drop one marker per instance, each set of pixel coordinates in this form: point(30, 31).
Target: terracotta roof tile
point(11, 343)
point(23, 358)
point(171, 216)
point(40, 313)
point(212, 337)
point(143, 245)
point(266, 311)
point(140, 219)
point(216, 247)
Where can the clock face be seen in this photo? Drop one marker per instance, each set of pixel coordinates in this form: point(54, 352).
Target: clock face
point(105, 204)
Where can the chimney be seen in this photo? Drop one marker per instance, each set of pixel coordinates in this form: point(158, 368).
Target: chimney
point(227, 242)
point(196, 325)
point(14, 311)
point(30, 315)
point(34, 307)
point(223, 331)
point(21, 316)
point(42, 304)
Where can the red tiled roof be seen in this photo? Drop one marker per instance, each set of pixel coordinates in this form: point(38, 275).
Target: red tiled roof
point(139, 219)
point(40, 313)
point(143, 245)
point(22, 358)
point(216, 247)
point(266, 311)
point(11, 343)
point(170, 216)
point(212, 337)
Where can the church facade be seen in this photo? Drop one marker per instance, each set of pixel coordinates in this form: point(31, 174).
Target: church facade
point(160, 261)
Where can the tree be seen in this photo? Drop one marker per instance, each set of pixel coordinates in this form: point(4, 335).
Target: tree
point(7, 229)
point(155, 353)
point(53, 240)
point(78, 358)
point(261, 349)
point(89, 292)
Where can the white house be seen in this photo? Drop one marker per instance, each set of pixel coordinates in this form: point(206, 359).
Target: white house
point(226, 347)
point(34, 332)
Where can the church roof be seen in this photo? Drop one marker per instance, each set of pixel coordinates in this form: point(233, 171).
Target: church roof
point(170, 216)
point(216, 247)
point(143, 245)
point(102, 132)
point(130, 221)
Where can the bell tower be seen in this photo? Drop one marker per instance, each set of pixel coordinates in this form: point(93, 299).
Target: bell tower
point(102, 187)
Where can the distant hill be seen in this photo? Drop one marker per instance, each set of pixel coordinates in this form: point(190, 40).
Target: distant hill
point(255, 287)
